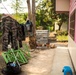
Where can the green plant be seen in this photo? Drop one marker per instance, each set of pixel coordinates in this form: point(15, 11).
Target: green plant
point(62, 38)
point(62, 33)
point(0, 34)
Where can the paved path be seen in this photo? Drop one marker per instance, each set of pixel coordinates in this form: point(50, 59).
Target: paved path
point(46, 62)
point(40, 64)
point(61, 59)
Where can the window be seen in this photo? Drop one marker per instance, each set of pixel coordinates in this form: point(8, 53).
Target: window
point(72, 25)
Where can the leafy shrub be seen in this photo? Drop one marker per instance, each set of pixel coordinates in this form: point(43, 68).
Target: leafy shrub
point(62, 38)
point(62, 33)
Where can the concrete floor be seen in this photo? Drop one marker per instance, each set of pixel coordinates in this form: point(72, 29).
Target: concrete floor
point(61, 59)
point(46, 62)
point(40, 63)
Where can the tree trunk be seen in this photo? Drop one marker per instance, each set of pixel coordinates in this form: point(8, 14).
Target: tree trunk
point(33, 38)
point(33, 17)
point(60, 24)
point(59, 27)
point(29, 9)
point(53, 27)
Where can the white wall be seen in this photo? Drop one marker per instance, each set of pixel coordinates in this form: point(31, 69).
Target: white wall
point(63, 27)
point(72, 50)
point(56, 26)
point(62, 5)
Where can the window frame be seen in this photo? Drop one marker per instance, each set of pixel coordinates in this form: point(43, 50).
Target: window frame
point(72, 27)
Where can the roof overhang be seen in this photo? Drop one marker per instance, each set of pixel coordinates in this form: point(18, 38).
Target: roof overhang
point(62, 6)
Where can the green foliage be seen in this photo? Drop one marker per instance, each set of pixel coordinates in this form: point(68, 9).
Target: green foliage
point(20, 17)
point(62, 38)
point(43, 14)
point(0, 33)
point(51, 28)
point(63, 17)
point(0, 16)
point(46, 16)
point(16, 5)
point(60, 33)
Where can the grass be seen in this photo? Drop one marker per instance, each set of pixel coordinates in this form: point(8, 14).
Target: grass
point(62, 38)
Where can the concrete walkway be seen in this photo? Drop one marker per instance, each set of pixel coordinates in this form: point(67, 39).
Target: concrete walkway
point(48, 62)
point(61, 59)
point(40, 63)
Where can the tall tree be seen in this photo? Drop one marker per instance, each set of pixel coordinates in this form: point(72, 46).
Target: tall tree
point(33, 38)
point(46, 15)
point(62, 18)
point(43, 14)
point(16, 5)
point(29, 9)
point(33, 17)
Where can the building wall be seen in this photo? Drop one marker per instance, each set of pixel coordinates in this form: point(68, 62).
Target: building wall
point(63, 27)
point(72, 42)
point(72, 6)
point(62, 5)
point(72, 50)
